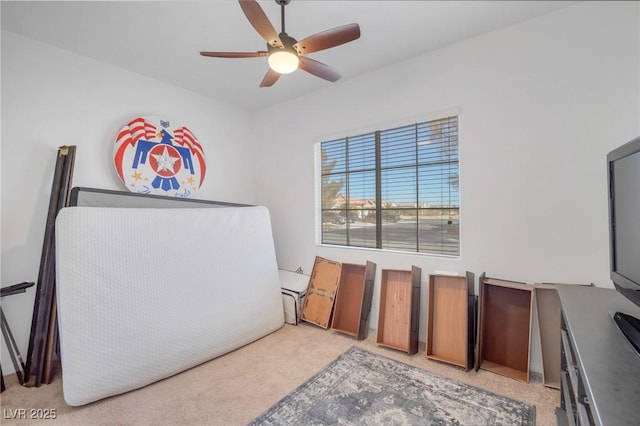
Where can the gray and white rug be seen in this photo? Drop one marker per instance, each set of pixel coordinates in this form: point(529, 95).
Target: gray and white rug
point(363, 388)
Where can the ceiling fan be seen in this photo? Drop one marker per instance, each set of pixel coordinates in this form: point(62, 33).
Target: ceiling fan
point(284, 53)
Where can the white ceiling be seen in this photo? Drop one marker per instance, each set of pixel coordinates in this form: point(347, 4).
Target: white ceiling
point(162, 39)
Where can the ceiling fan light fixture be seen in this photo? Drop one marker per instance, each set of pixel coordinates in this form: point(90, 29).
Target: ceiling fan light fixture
point(283, 61)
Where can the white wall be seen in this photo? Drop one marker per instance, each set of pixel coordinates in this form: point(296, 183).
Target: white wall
point(541, 103)
point(51, 97)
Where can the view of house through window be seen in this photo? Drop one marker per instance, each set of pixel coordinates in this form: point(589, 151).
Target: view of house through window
point(393, 189)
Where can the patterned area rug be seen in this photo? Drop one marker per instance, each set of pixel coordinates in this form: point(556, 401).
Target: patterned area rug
point(360, 387)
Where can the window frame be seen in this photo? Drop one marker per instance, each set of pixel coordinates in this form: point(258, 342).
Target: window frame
point(453, 209)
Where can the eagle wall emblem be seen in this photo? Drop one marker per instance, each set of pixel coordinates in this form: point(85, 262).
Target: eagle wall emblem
point(151, 158)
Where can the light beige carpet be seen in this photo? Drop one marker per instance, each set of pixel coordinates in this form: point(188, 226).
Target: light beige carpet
point(237, 387)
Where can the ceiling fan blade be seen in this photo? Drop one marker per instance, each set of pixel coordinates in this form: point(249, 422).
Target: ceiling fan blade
point(234, 54)
point(326, 39)
point(269, 78)
point(260, 22)
point(318, 69)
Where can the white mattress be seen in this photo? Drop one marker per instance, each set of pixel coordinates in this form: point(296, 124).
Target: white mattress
point(146, 293)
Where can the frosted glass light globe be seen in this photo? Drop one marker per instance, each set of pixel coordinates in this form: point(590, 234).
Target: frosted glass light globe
point(283, 62)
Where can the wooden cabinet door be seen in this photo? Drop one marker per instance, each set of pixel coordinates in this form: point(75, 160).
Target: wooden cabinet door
point(505, 327)
point(353, 299)
point(399, 313)
point(450, 319)
point(321, 294)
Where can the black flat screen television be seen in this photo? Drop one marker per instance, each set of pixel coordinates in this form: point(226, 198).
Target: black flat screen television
point(624, 231)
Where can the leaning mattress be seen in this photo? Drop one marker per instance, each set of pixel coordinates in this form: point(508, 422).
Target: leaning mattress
point(144, 293)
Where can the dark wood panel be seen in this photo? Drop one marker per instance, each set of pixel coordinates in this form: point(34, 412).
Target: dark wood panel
point(348, 305)
point(506, 328)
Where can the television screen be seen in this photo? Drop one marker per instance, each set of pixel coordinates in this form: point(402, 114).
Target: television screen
point(625, 199)
point(624, 222)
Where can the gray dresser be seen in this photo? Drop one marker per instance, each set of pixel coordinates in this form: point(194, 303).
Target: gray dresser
point(600, 369)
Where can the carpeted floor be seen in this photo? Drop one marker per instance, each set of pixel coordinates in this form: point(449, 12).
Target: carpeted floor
point(236, 388)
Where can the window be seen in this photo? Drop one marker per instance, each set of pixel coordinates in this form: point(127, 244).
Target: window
point(394, 189)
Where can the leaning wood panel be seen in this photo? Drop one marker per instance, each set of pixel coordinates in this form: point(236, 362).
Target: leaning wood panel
point(43, 335)
point(367, 297)
point(348, 304)
point(549, 312)
point(51, 350)
point(353, 299)
point(506, 328)
point(479, 320)
point(394, 321)
point(448, 319)
point(416, 278)
point(323, 285)
point(399, 310)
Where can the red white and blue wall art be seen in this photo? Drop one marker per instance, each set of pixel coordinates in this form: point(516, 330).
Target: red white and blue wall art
point(153, 157)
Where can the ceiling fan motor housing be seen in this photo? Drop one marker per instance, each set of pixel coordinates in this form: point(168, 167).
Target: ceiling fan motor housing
point(287, 42)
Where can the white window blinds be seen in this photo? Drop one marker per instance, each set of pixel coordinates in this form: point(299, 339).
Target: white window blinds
point(394, 189)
